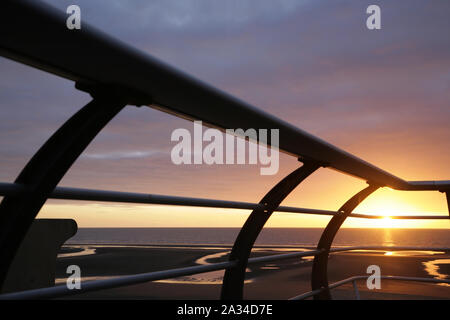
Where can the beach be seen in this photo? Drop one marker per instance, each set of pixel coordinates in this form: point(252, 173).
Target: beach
point(273, 280)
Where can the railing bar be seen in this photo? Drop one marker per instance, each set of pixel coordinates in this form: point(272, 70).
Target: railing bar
point(367, 216)
point(356, 278)
point(353, 215)
point(62, 290)
point(306, 295)
point(397, 278)
point(401, 278)
point(390, 248)
point(10, 189)
point(117, 196)
point(355, 287)
point(66, 193)
point(283, 256)
point(342, 282)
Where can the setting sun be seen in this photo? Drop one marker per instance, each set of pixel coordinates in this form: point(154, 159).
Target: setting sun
point(387, 222)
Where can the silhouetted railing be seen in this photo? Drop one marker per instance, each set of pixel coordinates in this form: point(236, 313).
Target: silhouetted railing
point(41, 40)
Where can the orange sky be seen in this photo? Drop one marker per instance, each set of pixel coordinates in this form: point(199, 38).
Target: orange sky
point(381, 95)
point(326, 189)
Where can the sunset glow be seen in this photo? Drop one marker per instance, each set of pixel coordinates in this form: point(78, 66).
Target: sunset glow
point(383, 98)
point(201, 156)
point(386, 223)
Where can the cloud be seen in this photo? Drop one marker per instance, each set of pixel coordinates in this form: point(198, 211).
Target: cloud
point(119, 155)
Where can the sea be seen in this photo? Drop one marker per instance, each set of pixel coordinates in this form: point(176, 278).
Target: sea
point(279, 237)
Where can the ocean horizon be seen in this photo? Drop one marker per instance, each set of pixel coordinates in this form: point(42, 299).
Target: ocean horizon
point(301, 237)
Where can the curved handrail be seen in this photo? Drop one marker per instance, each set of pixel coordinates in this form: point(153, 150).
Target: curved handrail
point(233, 280)
point(319, 278)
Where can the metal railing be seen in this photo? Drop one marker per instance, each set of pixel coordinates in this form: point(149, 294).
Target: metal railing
point(66, 193)
point(354, 279)
point(130, 77)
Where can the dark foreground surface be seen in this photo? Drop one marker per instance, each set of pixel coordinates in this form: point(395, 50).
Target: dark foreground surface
point(273, 280)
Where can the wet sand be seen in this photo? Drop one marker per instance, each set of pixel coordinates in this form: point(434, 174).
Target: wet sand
point(272, 280)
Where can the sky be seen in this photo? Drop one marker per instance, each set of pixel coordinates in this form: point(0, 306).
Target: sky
point(382, 95)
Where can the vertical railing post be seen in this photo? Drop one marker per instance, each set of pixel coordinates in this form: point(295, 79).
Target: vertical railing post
point(319, 277)
point(233, 280)
point(355, 288)
point(447, 195)
point(47, 167)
